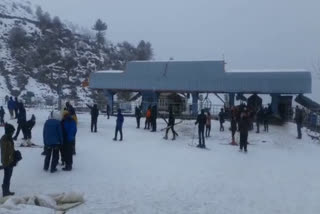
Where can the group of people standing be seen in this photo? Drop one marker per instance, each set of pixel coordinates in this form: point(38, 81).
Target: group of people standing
point(94, 112)
point(240, 120)
point(17, 111)
point(59, 136)
point(151, 118)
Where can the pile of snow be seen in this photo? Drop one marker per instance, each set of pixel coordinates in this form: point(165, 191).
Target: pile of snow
point(41, 203)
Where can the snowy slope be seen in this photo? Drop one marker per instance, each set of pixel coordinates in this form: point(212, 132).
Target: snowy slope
point(145, 174)
point(3, 89)
point(18, 8)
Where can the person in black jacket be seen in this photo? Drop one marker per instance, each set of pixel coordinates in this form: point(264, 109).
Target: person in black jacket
point(108, 111)
point(154, 115)
point(170, 126)
point(16, 107)
point(201, 121)
point(299, 120)
point(221, 120)
point(267, 113)
point(28, 128)
point(94, 117)
point(137, 114)
point(244, 130)
point(21, 121)
point(2, 113)
point(259, 118)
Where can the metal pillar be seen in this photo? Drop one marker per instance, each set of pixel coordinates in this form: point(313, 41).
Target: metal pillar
point(195, 98)
point(149, 98)
point(109, 94)
point(275, 99)
point(155, 96)
point(231, 99)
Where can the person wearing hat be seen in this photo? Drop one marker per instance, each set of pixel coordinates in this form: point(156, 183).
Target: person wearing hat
point(53, 139)
point(7, 158)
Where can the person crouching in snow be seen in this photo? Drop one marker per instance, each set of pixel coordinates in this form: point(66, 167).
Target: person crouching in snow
point(27, 131)
point(69, 129)
point(119, 124)
point(53, 139)
point(7, 158)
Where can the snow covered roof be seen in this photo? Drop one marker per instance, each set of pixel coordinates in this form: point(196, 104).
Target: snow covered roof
point(110, 71)
point(201, 76)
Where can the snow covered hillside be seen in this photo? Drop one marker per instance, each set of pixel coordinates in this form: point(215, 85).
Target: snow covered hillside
point(40, 56)
point(145, 174)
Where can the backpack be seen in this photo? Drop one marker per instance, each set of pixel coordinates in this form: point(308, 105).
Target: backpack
point(148, 114)
point(16, 157)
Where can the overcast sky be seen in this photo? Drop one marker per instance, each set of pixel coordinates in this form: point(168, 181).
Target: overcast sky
point(248, 33)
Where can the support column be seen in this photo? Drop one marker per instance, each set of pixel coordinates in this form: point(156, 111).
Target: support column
point(275, 99)
point(195, 98)
point(109, 94)
point(155, 98)
point(231, 99)
point(147, 100)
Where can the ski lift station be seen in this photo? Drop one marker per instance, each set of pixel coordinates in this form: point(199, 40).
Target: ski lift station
point(150, 78)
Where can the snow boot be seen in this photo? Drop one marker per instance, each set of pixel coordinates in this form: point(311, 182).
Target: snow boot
point(67, 168)
point(6, 191)
point(233, 143)
point(53, 170)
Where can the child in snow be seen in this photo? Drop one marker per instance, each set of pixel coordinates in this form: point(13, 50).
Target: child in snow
point(148, 118)
point(208, 124)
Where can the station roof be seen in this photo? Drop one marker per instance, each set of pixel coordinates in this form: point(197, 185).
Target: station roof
point(200, 76)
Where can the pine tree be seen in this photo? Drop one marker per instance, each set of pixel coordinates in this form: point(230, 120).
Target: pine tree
point(17, 37)
point(57, 23)
point(100, 27)
point(144, 51)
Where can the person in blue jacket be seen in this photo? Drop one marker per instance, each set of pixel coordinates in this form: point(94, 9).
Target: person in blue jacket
point(69, 137)
point(52, 139)
point(119, 124)
point(11, 107)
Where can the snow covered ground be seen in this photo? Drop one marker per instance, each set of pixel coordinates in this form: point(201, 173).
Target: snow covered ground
point(146, 174)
